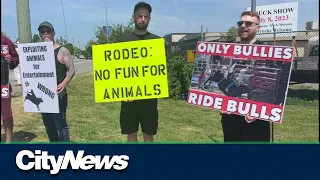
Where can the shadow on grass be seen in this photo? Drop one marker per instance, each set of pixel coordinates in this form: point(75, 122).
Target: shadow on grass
point(305, 94)
point(20, 136)
point(213, 139)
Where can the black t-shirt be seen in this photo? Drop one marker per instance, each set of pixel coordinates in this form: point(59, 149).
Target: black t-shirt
point(145, 104)
point(135, 37)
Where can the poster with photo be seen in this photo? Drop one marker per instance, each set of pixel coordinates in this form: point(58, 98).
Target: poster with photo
point(242, 79)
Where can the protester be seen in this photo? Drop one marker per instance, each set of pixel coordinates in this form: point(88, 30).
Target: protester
point(56, 123)
point(137, 112)
point(12, 59)
point(245, 128)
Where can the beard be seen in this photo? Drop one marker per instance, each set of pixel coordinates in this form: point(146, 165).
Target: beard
point(247, 36)
point(141, 27)
point(47, 39)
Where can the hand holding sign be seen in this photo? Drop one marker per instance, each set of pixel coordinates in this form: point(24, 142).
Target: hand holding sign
point(8, 58)
point(61, 87)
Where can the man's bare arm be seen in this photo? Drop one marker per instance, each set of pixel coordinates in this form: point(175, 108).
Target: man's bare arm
point(68, 62)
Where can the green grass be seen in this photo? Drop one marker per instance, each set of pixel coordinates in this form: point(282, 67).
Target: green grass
point(178, 122)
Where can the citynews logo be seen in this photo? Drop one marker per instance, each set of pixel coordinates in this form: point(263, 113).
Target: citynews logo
point(40, 160)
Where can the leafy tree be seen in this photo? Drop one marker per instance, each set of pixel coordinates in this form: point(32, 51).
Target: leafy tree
point(117, 31)
point(61, 41)
point(232, 34)
point(36, 38)
point(84, 53)
point(89, 46)
point(120, 30)
point(3, 33)
point(69, 46)
point(179, 76)
point(76, 50)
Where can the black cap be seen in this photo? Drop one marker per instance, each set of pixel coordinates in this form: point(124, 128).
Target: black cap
point(142, 5)
point(46, 24)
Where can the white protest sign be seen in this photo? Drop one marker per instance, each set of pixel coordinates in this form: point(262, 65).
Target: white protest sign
point(39, 80)
point(283, 18)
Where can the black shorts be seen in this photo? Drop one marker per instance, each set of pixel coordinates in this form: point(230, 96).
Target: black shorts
point(139, 112)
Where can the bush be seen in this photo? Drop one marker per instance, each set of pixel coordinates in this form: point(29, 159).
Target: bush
point(179, 75)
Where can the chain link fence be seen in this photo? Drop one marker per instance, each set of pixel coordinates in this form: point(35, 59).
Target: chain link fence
point(304, 78)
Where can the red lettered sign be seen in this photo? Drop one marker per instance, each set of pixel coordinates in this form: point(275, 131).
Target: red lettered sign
point(249, 51)
point(259, 110)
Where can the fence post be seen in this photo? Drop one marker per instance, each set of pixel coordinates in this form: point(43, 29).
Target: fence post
point(295, 45)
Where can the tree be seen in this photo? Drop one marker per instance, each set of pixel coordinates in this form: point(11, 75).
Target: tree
point(61, 41)
point(84, 53)
point(76, 50)
point(69, 46)
point(88, 47)
point(36, 38)
point(179, 75)
point(117, 31)
point(120, 30)
point(232, 33)
point(3, 33)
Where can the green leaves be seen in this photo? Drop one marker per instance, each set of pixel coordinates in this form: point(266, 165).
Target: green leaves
point(179, 75)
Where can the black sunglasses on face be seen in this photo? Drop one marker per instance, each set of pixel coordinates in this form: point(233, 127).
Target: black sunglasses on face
point(45, 31)
point(246, 23)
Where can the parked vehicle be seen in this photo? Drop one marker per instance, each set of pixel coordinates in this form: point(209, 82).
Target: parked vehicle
point(306, 69)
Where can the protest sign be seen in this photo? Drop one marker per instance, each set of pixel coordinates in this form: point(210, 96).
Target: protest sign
point(39, 80)
point(130, 71)
point(242, 79)
point(4, 72)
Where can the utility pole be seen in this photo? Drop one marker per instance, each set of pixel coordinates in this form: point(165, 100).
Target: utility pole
point(79, 48)
point(73, 45)
point(105, 6)
point(253, 5)
point(201, 33)
point(24, 24)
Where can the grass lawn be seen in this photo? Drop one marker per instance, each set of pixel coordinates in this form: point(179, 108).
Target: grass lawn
point(178, 122)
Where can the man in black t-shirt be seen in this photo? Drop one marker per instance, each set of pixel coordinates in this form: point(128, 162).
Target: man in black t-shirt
point(236, 127)
point(144, 112)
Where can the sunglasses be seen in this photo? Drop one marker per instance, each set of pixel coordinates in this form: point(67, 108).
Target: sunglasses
point(246, 23)
point(46, 31)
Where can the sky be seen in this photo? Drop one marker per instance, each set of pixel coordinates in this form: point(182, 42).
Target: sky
point(168, 16)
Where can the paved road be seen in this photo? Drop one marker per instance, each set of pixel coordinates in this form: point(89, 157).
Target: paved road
point(81, 66)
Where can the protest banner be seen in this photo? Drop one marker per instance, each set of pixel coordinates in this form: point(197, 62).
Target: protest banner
point(242, 79)
point(39, 80)
point(130, 71)
point(4, 72)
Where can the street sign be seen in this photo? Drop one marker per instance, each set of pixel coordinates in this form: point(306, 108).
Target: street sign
point(191, 55)
point(107, 31)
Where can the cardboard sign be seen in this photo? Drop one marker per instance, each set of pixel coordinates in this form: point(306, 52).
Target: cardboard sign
point(130, 71)
point(39, 80)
